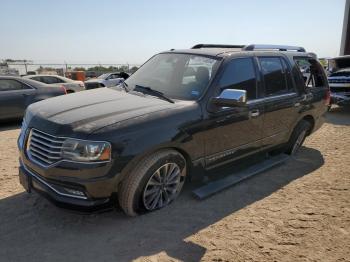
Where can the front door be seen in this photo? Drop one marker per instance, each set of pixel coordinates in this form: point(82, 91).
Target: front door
point(13, 98)
point(235, 132)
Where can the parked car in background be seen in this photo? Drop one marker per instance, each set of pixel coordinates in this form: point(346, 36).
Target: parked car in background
point(139, 141)
point(90, 74)
point(71, 86)
point(339, 81)
point(16, 93)
point(106, 80)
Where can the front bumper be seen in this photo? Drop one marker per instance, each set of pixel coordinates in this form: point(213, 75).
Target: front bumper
point(60, 194)
point(83, 185)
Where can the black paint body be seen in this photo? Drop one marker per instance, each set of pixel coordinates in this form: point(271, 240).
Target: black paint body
point(137, 126)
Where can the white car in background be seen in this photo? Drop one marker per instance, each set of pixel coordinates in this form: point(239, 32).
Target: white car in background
point(106, 80)
point(70, 85)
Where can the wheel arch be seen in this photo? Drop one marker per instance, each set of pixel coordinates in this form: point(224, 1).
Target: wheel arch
point(131, 164)
point(311, 120)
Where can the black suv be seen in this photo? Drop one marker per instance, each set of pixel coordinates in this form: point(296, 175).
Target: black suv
point(183, 109)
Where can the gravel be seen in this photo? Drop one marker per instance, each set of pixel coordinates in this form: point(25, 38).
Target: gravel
point(299, 211)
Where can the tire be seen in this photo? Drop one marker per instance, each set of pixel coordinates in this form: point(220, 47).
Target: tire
point(298, 137)
point(157, 178)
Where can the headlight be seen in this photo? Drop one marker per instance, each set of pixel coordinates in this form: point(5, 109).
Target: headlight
point(22, 134)
point(86, 151)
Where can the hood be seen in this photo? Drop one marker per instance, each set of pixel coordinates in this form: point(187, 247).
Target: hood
point(90, 110)
point(345, 72)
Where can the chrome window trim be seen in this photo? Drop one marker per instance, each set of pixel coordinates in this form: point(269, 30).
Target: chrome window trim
point(268, 98)
point(51, 187)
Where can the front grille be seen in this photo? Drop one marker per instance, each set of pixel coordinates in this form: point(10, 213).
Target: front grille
point(339, 89)
point(341, 80)
point(44, 148)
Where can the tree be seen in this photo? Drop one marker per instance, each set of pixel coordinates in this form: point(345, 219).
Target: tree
point(133, 69)
point(79, 68)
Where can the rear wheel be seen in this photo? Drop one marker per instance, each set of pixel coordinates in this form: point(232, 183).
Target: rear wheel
point(153, 183)
point(298, 137)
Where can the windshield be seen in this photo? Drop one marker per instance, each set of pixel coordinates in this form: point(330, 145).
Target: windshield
point(178, 76)
point(103, 76)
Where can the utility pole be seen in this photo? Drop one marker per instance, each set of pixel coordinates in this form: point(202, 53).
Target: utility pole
point(25, 65)
point(345, 39)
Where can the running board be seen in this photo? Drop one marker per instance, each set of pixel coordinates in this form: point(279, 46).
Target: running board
point(221, 184)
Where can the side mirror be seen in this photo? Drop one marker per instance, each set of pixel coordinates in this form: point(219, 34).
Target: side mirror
point(231, 98)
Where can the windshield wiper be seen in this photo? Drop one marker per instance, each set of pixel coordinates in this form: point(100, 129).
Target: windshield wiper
point(150, 91)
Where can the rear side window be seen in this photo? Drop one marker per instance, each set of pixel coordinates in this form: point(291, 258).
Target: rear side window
point(240, 74)
point(274, 78)
point(37, 78)
point(311, 70)
point(10, 85)
point(50, 80)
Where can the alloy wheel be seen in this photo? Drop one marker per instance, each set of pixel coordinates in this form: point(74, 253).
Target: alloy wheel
point(163, 186)
point(298, 142)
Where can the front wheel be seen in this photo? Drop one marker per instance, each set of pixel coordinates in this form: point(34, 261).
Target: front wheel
point(298, 136)
point(153, 183)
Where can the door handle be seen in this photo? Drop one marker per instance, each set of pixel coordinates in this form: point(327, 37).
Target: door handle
point(255, 113)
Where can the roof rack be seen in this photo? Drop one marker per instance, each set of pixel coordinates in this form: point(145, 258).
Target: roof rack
point(199, 46)
point(274, 47)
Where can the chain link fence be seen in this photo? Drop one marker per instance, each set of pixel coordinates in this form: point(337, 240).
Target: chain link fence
point(91, 70)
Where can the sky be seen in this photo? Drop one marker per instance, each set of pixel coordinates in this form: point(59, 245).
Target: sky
point(107, 31)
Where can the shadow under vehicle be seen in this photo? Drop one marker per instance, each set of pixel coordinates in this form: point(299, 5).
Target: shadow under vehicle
point(110, 236)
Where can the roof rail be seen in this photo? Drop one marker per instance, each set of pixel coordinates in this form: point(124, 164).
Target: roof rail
point(274, 47)
point(216, 46)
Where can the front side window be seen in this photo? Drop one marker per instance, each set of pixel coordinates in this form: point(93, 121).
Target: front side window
point(178, 76)
point(10, 85)
point(240, 74)
point(274, 78)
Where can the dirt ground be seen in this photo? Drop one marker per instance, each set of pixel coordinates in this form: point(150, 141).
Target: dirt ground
point(299, 211)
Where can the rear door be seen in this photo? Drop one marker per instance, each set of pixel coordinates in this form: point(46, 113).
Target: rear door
point(281, 100)
point(14, 98)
